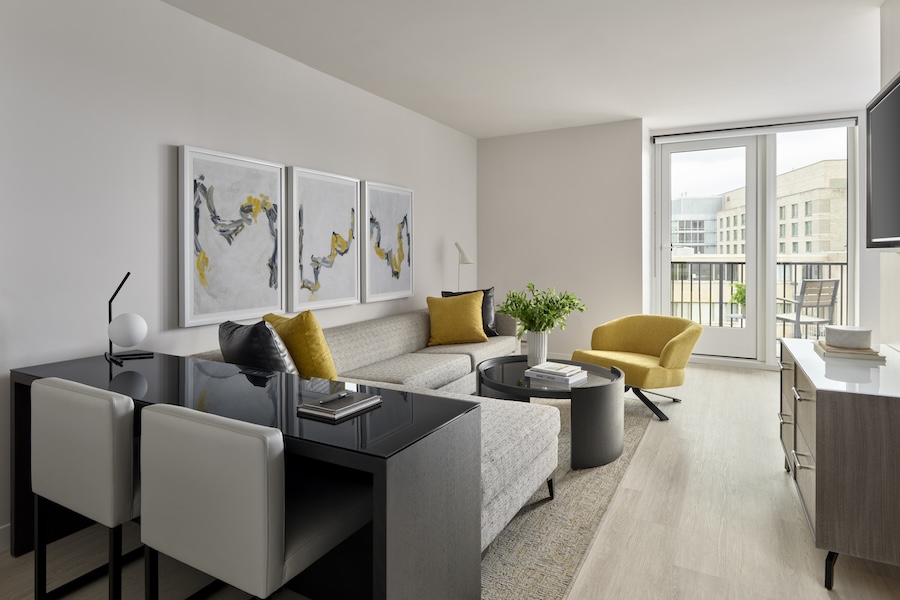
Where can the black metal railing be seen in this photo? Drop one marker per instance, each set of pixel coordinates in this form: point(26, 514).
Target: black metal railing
point(709, 292)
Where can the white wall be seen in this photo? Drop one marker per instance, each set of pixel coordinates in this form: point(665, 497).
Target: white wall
point(562, 209)
point(96, 95)
point(890, 260)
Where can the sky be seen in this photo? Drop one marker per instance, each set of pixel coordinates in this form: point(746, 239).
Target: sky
point(713, 172)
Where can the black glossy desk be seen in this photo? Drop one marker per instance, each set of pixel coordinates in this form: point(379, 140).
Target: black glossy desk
point(422, 454)
point(598, 404)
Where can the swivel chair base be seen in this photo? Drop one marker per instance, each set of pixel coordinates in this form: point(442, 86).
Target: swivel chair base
point(656, 411)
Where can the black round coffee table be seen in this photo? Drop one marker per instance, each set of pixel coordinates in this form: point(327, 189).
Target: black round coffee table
point(598, 403)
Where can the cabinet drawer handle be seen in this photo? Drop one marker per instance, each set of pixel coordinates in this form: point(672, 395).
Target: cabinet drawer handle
point(797, 463)
point(784, 419)
point(798, 397)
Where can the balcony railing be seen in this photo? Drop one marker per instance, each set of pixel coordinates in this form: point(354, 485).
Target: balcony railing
point(703, 291)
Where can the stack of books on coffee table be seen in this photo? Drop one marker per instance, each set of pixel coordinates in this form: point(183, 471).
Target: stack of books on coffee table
point(558, 372)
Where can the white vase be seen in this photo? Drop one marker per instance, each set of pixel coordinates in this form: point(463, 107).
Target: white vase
point(537, 347)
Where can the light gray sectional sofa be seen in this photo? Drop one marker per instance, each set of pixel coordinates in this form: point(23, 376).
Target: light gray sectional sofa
point(519, 441)
point(395, 349)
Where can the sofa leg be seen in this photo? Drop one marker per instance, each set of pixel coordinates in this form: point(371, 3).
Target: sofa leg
point(640, 394)
point(550, 487)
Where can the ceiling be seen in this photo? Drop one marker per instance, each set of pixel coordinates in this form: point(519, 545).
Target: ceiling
point(498, 67)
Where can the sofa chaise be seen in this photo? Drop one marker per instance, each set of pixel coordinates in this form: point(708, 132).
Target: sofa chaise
point(519, 441)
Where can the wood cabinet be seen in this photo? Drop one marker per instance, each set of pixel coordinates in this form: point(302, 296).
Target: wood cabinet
point(840, 428)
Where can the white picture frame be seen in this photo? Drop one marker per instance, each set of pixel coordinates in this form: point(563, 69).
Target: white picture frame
point(323, 228)
point(387, 263)
point(231, 237)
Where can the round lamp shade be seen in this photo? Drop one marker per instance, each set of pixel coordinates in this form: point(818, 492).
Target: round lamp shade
point(128, 329)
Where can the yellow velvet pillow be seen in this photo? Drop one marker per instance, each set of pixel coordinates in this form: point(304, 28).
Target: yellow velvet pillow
point(306, 343)
point(456, 319)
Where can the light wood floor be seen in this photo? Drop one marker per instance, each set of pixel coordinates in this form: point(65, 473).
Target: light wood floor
point(705, 510)
point(85, 550)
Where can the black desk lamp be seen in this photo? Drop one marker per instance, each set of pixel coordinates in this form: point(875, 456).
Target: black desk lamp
point(128, 329)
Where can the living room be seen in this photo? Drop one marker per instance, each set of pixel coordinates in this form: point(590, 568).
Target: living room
point(99, 95)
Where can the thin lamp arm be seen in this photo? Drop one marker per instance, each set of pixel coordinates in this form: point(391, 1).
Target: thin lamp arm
point(113, 297)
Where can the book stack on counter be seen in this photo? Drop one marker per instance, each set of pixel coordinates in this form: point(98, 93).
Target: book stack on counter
point(558, 372)
point(337, 406)
point(867, 354)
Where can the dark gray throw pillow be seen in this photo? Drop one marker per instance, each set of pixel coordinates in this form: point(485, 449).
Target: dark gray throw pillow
point(256, 346)
point(488, 321)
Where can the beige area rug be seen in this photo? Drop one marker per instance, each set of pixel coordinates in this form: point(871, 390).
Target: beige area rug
point(537, 555)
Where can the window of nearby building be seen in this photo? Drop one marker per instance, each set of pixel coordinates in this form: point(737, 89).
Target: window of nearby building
point(782, 213)
point(793, 211)
point(743, 222)
point(781, 229)
point(795, 247)
point(735, 248)
point(728, 235)
point(807, 208)
point(808, 247)
point(795, 229)
point(808, 227)
point(743, 234)
point(743, 251)
point(727, 221)
point(781, 247)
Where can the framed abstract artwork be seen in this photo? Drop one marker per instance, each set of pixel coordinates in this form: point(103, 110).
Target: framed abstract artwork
point(231, 237)
point(387, 262)
point(324, 239)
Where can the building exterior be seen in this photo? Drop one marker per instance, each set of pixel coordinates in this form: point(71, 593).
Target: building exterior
point(708, 261)
point(694, 229)
point(811, 214)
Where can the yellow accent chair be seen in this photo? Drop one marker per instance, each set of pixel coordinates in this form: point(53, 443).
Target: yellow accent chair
point(652, 351)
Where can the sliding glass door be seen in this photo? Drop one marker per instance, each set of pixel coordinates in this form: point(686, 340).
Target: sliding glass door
point(742, 221)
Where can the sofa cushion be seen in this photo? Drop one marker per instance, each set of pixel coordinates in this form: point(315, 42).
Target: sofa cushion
point(306, 343)
point(488, 316)
point(415, 370)
point(456, 320)
point(256, 346)
point(512, 434)
point(494, 347)
point(358, 344)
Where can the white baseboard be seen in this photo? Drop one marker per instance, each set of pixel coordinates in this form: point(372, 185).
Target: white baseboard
point(4, 538)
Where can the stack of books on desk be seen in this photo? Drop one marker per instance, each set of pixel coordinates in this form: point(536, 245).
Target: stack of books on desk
point(551, 371)
point(868, 354)
point(337, 406)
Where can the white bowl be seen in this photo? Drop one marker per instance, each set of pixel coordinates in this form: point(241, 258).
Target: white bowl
point(844, 336)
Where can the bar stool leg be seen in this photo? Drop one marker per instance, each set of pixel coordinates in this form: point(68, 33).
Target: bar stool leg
point(40, 549)
point(151, 574)
point(115, 563)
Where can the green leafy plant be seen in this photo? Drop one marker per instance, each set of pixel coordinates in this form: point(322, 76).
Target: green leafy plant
point(543, 311)
point(739, 296)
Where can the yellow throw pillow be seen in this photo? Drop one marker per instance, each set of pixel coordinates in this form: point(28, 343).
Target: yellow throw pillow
point(456, 320)
point(306, 343)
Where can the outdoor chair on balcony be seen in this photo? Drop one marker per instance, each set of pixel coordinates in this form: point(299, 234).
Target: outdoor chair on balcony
point(813, 306)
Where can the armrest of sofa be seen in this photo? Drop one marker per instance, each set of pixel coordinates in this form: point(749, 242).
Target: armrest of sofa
point(214, 355)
